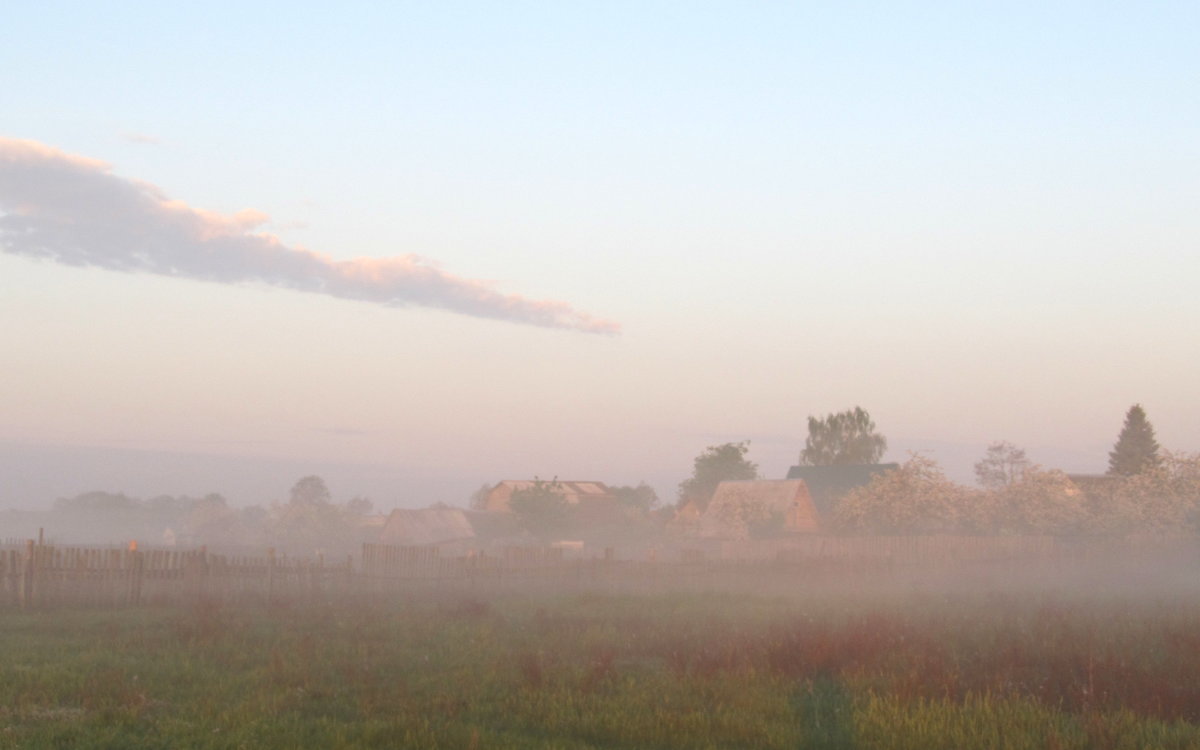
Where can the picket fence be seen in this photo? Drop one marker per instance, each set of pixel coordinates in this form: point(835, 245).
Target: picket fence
point(40, 575)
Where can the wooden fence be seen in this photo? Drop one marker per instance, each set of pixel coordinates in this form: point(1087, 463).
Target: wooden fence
point(34, 575)
point(38, 575)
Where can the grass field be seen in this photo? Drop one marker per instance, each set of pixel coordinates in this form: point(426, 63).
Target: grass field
point(610, 671)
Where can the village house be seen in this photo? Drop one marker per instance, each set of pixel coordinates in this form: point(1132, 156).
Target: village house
point(583, 494)
point(451, 529)
point(427, 527)
point(759, 508)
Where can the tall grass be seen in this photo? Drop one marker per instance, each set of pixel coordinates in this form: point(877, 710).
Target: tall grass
point(592, 671)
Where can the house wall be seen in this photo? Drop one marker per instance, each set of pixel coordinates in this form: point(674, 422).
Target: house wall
point(497, 500)
point(802, 516)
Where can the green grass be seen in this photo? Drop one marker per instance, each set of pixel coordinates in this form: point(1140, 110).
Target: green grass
point(609, 671)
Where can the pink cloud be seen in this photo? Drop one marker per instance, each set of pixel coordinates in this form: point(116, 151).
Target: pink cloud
point(75, 211)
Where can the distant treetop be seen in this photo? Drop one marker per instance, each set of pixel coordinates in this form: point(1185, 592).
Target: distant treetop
point(716, 464)
point(1002, 465)
point(310, 491)
point(848, 437)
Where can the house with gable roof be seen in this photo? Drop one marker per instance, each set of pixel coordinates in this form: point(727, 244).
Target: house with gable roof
point(740, 509)
point(584, 494)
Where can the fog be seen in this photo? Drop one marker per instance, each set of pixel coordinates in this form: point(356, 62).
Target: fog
point(37, 475)
point(584, 376)
point(323, 613)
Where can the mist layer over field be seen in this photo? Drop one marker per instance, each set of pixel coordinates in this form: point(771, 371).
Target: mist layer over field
point(728, 656)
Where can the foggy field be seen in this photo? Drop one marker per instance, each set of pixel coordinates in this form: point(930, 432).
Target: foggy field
point(838, 666)
point(599, 375)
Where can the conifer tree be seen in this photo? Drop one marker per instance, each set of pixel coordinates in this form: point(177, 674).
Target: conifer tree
point(1136, 450)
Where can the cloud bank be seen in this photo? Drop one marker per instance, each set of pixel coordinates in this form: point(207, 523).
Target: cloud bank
point(75, 211)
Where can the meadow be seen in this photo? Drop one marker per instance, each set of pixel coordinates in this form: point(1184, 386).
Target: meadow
point(838, 667)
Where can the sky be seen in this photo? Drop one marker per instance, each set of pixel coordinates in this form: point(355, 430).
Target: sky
point(419, 247)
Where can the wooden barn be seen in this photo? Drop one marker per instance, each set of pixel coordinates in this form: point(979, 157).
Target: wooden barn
point(759, 507)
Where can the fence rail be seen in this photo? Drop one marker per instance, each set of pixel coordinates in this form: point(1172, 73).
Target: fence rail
point(34, 575)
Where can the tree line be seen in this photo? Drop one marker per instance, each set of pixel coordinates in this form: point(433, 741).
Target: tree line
point(1145, 488)
point(307, 520)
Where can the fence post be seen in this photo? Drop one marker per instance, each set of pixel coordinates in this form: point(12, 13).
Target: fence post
point(202, 582)
point(270, 576)
point(25, 589)
point(135, 575)
point(315, 574)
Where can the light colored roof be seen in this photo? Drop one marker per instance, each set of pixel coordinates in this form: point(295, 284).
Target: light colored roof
point(568, 488)
point(735, 501)
point(574, 492)
point(426, 526)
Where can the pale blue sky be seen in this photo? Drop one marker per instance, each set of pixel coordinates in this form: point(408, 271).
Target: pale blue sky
point(978, 223)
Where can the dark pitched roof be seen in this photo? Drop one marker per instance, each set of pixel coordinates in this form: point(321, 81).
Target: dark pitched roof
point(828, 483)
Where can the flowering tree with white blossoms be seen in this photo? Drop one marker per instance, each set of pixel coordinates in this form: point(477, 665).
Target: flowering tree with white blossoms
point(915, 498)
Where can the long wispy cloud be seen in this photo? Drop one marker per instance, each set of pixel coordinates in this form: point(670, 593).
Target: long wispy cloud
point(74, 210)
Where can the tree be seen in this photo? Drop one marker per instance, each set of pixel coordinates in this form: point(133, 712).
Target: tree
point(1163, 498)
point(541, 509)
point(1174, 503)
point(309, 520)
point(168, 505)
point(716, 464)
point(643, 497)
point(847, 437)
point(1040, 501)
point(97, 501)
point(309, 491)
point(913, 499)
point(1136, 449)
point(478, 500)
point(211, 519)
point(1002, 465)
